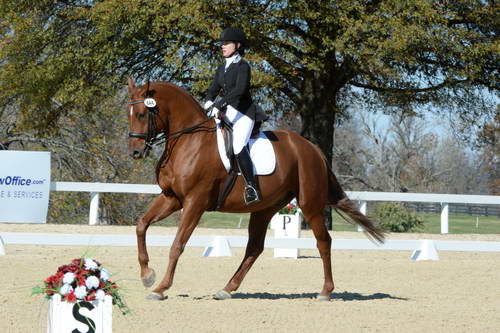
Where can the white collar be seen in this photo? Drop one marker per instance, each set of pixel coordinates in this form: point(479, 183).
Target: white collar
point(233, 59)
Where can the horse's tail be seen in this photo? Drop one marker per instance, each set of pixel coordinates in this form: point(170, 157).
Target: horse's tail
point(338, 198)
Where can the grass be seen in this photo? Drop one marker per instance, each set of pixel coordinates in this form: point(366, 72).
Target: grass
point(213, 220)
point(463, 224)
point(457, 224)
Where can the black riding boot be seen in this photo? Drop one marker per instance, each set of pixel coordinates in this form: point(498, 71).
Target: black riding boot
point(245, 165)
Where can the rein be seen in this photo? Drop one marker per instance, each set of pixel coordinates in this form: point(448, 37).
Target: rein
point(152, 138)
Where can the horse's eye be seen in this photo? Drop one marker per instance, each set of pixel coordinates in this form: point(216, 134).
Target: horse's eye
point(142, 115)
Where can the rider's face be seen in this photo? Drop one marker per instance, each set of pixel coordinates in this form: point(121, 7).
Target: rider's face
point(228, 48)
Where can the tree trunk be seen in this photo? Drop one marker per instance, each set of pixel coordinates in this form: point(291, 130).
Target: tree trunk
point(318, 119)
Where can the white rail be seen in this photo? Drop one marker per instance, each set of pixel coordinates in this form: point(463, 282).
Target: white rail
point(362, 197)
point(240, 242)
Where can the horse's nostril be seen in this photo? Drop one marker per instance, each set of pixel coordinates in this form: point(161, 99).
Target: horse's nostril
point(136, 154)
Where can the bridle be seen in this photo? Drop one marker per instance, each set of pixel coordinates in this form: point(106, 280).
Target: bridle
point(152, 137)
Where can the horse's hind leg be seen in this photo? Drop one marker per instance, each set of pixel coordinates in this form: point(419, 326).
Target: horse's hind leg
point(159, 209)
point(257, 228)
point(324, 244)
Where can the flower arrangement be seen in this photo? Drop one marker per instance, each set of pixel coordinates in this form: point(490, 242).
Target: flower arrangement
point(291, 208)
point(84, 279)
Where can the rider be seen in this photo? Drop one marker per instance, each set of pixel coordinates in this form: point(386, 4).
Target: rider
point(232, 84)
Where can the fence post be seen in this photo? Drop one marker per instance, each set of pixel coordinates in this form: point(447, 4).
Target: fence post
point(94, 208)
point(362, 209)
point(444, 217)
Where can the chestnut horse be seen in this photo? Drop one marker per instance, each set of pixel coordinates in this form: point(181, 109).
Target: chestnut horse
point(191, 174)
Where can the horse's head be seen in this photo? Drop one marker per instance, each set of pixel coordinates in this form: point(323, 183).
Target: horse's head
point(145, 122)
point(158, 112)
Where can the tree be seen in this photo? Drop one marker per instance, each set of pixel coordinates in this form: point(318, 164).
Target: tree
point(310, 53)
point(489, 142)
point(311, 57)
point(400, 157)
point(405, 155)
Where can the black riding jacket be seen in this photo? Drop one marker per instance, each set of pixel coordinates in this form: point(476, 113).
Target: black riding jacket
point(233, 86)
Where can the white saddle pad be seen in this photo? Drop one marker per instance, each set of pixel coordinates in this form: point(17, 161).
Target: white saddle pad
point(261, 152)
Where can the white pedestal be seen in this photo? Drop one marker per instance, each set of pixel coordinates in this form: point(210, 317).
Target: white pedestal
point(286, 226)
point(84, 317)
point(2, 247)
point(427, 251)
point(219, 248)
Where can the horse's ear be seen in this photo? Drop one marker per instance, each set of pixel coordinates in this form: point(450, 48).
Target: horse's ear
point(131, 85)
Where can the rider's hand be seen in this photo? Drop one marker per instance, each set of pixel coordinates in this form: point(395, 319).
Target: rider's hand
point(214, 112)
point(208, 104)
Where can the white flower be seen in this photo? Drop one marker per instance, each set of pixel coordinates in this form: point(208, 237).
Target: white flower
point(65, 289)
point(99, 295)
point(80, 292)
point(104, 274)
point(68, 278)
point(92, 282)
point(90, 264)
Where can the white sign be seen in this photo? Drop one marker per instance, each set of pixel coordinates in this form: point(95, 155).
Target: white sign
point(24, 186)
point(80, 317)
point(286, 226)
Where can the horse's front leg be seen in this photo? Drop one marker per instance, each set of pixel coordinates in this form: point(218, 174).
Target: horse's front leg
point(160, 208)
point(191, 214)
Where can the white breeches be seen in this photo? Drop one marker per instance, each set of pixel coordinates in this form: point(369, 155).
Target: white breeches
point(242, 128)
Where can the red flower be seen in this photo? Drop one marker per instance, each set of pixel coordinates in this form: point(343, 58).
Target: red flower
point(76, 262)
point(90, 296)
point(53, 282)
point(70, 297)
point(50, 279)
point(81, 280)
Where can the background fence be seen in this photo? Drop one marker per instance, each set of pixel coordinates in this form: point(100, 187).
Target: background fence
point(440, 200)
point(465, 209)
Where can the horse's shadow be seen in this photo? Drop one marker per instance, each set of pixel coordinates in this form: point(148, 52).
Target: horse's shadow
point(344, 296)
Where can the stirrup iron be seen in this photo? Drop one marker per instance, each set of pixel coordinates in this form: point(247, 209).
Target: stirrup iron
point(251, 195)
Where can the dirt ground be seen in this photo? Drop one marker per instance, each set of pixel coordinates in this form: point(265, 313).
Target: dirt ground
point(375, 290)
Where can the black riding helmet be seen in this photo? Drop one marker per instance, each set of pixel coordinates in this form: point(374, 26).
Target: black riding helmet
point(233, 34)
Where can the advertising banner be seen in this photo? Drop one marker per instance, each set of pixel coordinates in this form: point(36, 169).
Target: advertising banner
point(24, 186)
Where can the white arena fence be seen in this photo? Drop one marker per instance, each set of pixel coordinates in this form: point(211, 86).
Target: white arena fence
point(362, 197)
point(221, 245)
point(422, 249)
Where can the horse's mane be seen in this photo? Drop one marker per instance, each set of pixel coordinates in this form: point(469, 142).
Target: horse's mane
point(183, 92)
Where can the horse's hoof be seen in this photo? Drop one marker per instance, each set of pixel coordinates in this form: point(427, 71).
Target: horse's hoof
point(148, 281)
point(222, 294)
point(323, 298)
point(156, 297)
